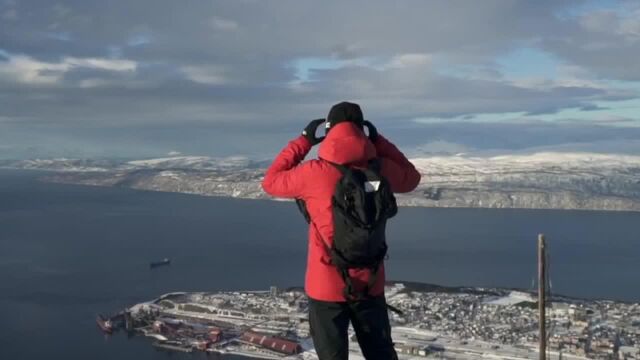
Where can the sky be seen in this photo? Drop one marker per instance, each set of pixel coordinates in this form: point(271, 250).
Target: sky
point(144, 78)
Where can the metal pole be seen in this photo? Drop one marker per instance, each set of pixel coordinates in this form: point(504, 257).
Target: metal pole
point(542, 296)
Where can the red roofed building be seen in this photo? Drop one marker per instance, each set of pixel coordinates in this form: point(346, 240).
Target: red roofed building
point(215, 334)
point(282, 346)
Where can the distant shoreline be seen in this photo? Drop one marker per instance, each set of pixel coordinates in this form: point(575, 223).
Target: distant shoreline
point(69, 178)
point(401, 201)
point(563, 181)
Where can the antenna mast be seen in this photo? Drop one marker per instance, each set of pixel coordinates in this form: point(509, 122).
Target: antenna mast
point(542, 277)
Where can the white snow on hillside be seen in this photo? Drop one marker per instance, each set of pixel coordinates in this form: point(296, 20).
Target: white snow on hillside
point(168, 161)
point(514, 297)
point(191, 162)
point(537, 161)
point(545, 180)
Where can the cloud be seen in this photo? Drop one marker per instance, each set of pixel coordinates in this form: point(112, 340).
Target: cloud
point(606, 42)
point(247, 64)
point(224, 24)
point(24, 69)
point(9, 15)
point(409, 60)
point(205, 74)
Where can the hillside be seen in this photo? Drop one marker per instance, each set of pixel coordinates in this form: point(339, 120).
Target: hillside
point(537, 181)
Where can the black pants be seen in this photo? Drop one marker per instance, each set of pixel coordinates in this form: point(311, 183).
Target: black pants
point(329, 322)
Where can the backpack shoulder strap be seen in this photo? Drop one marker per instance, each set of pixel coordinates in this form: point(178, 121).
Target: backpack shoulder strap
point(375, 165)
point(302, 206)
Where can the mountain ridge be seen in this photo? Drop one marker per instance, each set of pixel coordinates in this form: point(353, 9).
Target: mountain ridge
point(545, 180)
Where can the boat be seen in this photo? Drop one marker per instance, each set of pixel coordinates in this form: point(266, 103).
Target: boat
point(104, 324)
point(165, 261)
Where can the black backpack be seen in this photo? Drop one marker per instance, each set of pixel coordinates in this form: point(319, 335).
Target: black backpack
point(361, 204)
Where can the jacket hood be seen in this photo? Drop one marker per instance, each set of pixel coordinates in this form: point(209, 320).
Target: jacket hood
point(346, 143)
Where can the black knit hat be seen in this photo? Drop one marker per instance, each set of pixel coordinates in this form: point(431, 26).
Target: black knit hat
point(344, 112)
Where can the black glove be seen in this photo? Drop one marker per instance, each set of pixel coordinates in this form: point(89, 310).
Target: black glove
point(373, 132)
point(310, 132)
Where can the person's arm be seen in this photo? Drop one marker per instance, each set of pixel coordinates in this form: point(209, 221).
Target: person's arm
point(400, 172)
point(284, 178)
point(396, 168)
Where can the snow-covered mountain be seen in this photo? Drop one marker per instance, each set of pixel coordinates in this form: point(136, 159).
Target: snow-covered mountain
point(194, 163)
point(542, 180)
point(60, 164)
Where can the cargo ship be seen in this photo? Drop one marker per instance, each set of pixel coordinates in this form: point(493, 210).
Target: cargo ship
point(104, 324)
point(165, 261)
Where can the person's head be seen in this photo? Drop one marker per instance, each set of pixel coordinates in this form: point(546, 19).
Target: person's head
point(344, 112)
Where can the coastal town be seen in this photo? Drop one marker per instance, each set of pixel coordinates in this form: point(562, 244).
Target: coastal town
point(435, 321)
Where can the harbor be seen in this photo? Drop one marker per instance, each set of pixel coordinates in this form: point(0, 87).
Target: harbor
point(453, 323)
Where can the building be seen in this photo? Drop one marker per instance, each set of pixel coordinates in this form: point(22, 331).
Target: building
point(409, 349)
point(282, 346)
point(215, 335)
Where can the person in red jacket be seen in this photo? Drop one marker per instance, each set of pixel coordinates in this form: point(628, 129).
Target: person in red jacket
point(314, 182)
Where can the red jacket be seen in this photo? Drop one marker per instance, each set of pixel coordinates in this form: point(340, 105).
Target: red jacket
point(314, 182)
